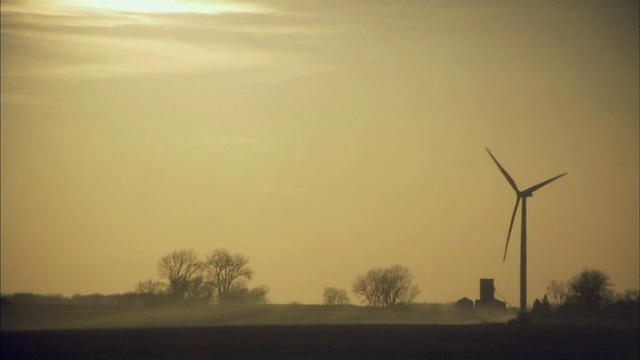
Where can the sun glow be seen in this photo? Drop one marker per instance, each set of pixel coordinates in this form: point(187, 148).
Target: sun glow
point(162, 6)
point(145, 6)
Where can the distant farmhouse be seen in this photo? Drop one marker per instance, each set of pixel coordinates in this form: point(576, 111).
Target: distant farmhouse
point(487, 301)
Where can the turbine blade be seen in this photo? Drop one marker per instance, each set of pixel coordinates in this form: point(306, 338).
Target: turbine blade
point(513, 218)
point(538, 186)
point(504, 172)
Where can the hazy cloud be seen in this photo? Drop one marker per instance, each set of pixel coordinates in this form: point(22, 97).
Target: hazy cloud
point(92, 41)
point(226, 139)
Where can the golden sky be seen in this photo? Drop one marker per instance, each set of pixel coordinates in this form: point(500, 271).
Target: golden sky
point(318, 138)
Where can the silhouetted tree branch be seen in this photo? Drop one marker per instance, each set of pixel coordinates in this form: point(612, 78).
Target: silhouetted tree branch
point(179, 268)
point(227, 272)
point(386, 287)
point(557, 291)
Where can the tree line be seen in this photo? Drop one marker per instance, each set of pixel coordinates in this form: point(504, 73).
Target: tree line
point(379, 287)
point(222, 277)
point(219, 278)
point(588, 293)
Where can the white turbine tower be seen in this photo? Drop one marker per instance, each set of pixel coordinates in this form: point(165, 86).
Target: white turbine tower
point(524, 194)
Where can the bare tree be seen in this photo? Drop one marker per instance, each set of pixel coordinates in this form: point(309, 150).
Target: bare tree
point(386, 287)
point(590, 290)
point(227, 272)
point(557, 291)
point(335, 296)
point(180, 268)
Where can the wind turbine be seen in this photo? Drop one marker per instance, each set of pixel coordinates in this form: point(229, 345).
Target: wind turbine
point(524, 194)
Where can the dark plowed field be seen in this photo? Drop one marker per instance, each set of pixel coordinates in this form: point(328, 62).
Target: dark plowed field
point(344, 341)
